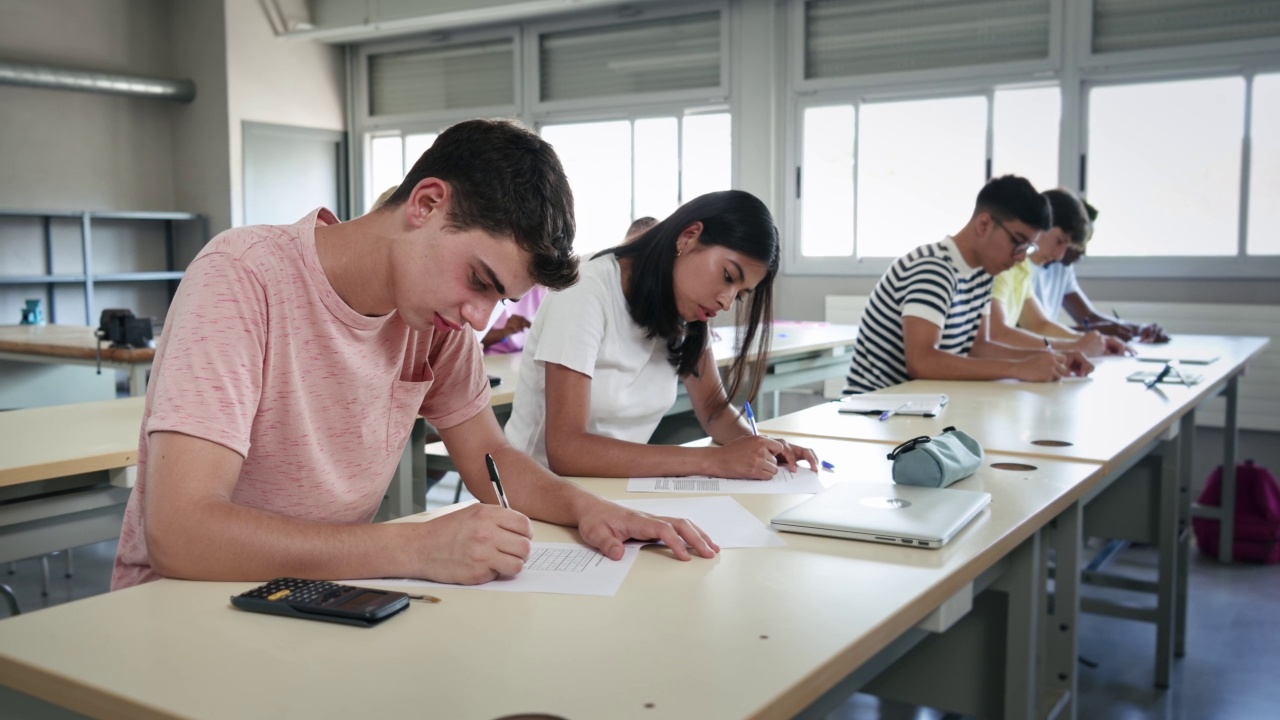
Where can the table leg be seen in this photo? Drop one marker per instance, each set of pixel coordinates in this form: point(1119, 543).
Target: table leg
point(138, 379)
point(1168, 542)
point(1185, 467)
point(1230, 456)
point(1024, 584)
point(1061, 614)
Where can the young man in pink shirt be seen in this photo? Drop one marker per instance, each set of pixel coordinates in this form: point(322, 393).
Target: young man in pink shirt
point(296, 358)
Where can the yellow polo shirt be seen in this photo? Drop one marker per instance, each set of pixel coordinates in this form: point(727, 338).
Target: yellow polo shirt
point(1012, 288)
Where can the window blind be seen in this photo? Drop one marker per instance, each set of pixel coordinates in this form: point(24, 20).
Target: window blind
point(450, 78)
point(677, 53)
point(1145, 24)
point(864, 37)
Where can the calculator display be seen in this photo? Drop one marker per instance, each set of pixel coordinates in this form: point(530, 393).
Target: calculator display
point(363, 601)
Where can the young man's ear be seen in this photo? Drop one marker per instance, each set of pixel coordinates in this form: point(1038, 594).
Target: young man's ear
point(430, 195)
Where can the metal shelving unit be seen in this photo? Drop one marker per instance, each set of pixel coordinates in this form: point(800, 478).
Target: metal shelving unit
point(88, 278)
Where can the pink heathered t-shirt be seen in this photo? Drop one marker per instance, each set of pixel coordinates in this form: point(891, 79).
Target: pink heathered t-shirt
point(259, 354)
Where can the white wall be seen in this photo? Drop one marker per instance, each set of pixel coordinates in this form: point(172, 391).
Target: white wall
point(278, 81)
point(75, 150)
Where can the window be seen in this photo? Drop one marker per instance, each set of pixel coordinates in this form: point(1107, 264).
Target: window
point(1264, 167)
point(1164, 167)
point(390, 159)
point(1025, 134)
point(882, 178)
point(620, 170)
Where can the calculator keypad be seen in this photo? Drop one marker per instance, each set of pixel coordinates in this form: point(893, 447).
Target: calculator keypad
point(300, 592)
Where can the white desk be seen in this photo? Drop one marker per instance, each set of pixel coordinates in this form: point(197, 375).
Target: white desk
point(65, 474)
point(765, 632)
point(1105, 420)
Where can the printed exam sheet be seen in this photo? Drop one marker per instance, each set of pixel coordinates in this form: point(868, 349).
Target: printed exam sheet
point(785, 482)
point(565, 568)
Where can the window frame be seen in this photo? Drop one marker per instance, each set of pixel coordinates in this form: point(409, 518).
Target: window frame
point(794, 262)
point(1076, 69)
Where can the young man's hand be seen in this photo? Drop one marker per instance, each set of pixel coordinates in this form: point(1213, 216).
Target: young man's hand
point(606, 526)
point(474, 545)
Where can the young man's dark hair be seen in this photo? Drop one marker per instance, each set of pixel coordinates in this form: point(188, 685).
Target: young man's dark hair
point(506, 181)
point(1069, 214)
point(1010, 197)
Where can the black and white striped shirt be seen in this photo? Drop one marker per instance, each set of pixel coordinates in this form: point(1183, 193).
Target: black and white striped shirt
point(932, 282)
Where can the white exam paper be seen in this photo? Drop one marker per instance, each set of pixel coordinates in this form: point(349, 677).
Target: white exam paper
point(784, 482)
point(722, 518)
point(565, 568)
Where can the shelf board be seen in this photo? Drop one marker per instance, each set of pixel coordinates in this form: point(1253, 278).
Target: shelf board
point(138, 276)
point(39, 279)
point(104, 214)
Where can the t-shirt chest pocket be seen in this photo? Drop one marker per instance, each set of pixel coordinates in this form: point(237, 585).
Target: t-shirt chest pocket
point(406, 400)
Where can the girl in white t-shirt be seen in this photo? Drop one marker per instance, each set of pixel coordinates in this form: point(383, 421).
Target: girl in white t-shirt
point(603, 359)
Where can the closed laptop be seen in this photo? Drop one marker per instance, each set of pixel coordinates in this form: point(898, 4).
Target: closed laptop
point(885, 513)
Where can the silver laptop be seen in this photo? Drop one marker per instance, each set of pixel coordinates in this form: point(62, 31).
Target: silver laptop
point(885, 512)
point(1187, 354)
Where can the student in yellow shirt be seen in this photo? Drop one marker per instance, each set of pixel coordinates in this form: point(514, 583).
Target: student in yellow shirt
point(1017, 318)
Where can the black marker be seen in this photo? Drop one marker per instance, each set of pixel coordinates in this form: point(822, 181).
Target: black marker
point(497, 481)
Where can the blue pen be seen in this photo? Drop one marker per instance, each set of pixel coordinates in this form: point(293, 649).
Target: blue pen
point(751, 417)
point(890, 413)
point(828, 466)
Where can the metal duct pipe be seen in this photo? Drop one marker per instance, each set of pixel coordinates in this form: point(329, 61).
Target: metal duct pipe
point(54, 78)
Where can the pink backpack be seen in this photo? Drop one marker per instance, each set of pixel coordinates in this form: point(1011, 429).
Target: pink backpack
point(1257, 535)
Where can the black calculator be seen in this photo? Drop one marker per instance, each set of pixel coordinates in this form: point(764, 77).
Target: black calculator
point(320, 600)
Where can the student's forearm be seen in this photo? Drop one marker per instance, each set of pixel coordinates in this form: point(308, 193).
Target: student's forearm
point(1047, 328)
point(533, 489)
point(589, 455)
point(219, 540)
point(1015, 337)
point(726, 426)
point(941, 365)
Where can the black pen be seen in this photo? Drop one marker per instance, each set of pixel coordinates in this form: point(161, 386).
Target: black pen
point(1159, 376)
point(497, 481)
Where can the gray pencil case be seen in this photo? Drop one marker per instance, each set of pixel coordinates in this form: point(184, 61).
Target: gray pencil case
point(936, 461)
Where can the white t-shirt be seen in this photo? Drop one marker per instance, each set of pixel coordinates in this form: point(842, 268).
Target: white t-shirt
point(587, 328)
point(1053, 283)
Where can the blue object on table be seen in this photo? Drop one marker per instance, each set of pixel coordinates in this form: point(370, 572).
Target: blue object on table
point(33, 314)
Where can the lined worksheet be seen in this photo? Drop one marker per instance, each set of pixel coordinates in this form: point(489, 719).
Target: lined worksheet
point(722, 518)
point(564, 568)
point(803, 480)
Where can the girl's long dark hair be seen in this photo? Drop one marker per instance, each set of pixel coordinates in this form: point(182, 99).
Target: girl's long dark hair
point(736, 220)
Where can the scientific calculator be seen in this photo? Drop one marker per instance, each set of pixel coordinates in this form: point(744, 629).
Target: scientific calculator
point(320, 600)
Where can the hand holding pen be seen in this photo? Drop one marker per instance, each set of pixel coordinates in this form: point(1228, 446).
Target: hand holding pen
point(496, 480)
point(751, 417)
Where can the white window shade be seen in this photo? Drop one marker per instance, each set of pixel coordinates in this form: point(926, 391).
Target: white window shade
point(853, 37)
point(678, 53)
point(1145, 24)
point(457, 77)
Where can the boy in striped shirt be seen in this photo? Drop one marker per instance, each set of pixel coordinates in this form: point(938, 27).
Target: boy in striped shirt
point(927, 317)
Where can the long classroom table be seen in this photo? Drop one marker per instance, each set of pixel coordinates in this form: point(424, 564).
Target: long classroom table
point(761, 632)
point(1107, 420)
point(65, 474)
